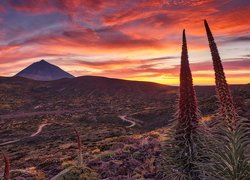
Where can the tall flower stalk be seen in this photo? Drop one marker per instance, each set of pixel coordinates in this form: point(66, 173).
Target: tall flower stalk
point(182, 149)
point(187, 105)
point(187, 120)
point(227, 109)
point(79, 145)
point(231, 134)
point(6, 175)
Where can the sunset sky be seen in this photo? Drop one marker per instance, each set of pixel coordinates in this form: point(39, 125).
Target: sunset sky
point(128, 39)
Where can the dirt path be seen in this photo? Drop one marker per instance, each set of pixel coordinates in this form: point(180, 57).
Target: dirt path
point(9, 142)
point(45, 123)
point(39, 130)
point(125, 118)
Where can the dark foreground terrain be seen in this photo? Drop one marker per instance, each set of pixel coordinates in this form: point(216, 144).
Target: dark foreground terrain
point(120, 124)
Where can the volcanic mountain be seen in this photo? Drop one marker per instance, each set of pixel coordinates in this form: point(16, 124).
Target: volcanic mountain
point(43, 71)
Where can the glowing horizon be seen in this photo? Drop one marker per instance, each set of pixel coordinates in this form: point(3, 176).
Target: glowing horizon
point(133, 40)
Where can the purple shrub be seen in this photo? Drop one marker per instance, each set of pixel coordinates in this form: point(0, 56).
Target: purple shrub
point(117, 146)
point(131, 160)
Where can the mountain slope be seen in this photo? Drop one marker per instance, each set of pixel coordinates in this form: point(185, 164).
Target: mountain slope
point(100, 97)
point(79, 93)
point(43, 71)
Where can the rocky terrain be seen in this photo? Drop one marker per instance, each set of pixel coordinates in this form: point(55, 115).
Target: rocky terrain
point(121, 125)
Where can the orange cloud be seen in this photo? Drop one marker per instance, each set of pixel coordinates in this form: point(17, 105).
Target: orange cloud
point(109, 38)
point(150, 70)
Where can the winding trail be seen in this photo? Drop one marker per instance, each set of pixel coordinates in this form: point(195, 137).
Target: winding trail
point(45, 123)
point(125, 118)
point(9, 142)
point(39, 130)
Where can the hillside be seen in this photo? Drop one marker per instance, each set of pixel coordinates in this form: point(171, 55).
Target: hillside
point(117, 119)
point(101, 95)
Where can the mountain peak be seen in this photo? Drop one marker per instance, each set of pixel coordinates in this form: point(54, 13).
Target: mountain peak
point(43, 61)
point(43, 71)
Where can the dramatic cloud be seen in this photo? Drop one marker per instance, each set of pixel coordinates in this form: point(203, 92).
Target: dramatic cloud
point(240, 39)
point(32, 7)
point(139, 40)
point(145, 69)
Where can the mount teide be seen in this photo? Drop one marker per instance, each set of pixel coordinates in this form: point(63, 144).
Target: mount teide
point(43, 71)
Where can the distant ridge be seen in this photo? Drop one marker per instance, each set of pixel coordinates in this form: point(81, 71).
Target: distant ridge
point(43, 71)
